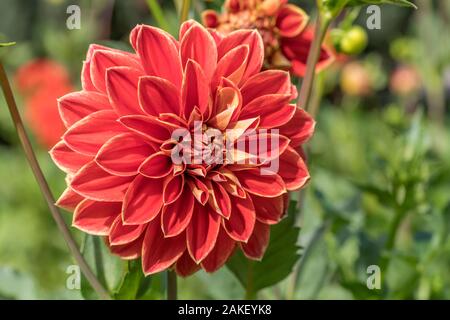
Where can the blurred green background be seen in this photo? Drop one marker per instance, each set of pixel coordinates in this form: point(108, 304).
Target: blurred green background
point(380, 158)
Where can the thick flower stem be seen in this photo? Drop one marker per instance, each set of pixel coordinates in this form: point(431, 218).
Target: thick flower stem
point(185, 10)
point(31, 157)
point(172, 293)
point(321, 28)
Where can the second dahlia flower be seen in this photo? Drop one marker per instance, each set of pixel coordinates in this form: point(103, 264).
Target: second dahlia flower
point(124, 182)
point(283, 27)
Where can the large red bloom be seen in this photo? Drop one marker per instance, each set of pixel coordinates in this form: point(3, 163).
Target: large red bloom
point(283, 27)
point(118, 148)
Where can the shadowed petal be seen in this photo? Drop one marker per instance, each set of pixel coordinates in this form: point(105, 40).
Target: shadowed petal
point(195, 90)
point(95, 183)
point(159, 253)
point(273, 110)
point(202, 232)
point(219, 255)
point(176, 216)
point(299, 129)
point(122, 234)
point(258, 242)
point(242, 219)
point(157, 96)
point(185, 266)
point(293, 170)
point(158, 165)
point(143, 200)
point(269, 210)
point(172, 189)
point(69, 199)
point(96, 217)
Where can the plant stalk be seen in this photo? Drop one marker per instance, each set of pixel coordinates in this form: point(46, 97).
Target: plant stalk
point(172, 291)
point(31, 157)
point(321, 27)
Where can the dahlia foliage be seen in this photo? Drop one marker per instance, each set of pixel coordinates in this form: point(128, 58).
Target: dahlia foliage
point(181, 151)
point(283, 27)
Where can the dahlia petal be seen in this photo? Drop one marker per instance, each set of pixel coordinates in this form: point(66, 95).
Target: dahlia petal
point(267, 147)
point(293, 170)
point(68, 160)
point(242, 220)
point(291, 20)
point(142, 201)
point(176, 216)
point(159, 54)
point(149, 127)
point(123, 154)
point(95, 217)
point(202, 232)
point(159, 253)
point(269, 185)
point(134, 35)
point(129, 251)
point(121, 85)
point(198, 45)
point(105, 59)
point(232, 65)
point(269, 210)
point(86, 82)
point(268, 82)
point(219, 200)
point(88, 135)
point(195, 90)
point(121, 234)
point(95, 183)
point(158, 165)
point(157, 96)
point(273, 110)
point(185, 266)
point(219, 255)
point(172, 188)
point(199, 190)
point(241, 127)
point(257, 244)
point(69, 199)
point(250, 38)
point(233, 186)
point(299, 129)
point(77, 105)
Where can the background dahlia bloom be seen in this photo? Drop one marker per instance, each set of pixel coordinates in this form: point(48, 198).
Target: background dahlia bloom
point(283, 27)
point(41, 82)
point(122, 183)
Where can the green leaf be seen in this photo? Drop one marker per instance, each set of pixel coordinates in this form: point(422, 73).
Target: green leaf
point(278, 261)
point(7, 44)
point(135, 285)
point(108, 268)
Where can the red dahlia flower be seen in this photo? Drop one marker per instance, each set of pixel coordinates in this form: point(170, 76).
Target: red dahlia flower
point(118, 149)
point(283, 27)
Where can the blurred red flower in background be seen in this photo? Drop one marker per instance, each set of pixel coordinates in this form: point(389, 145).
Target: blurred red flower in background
point(42, 82)
point(117, 150)
point(283, 27)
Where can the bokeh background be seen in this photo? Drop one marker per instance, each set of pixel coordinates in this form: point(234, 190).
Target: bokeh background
point(380, 158)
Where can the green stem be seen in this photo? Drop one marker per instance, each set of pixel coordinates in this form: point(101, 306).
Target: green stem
point(185, 10)
point(322, 24)
point(158, 14)
point(172, 291)
point(250, 293)
point(31, 157)
point(392, 236)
